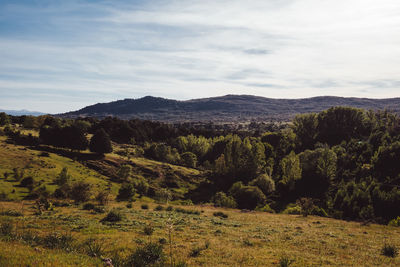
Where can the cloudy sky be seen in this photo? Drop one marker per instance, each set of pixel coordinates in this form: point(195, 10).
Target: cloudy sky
point(59, 55)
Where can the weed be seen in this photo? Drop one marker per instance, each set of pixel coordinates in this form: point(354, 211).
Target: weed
point(148, 230)
point(285, 261)
point(149, 254)
point(390, 250)
point(93, 248)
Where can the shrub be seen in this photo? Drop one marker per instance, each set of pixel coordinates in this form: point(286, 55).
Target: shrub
point(58, 241)
point(169, 208)
point(148, 230)
point(162, 241)
point(129, 205)
point(144, 207)
point(222, 200)
point(306, 205)
point(265, 208)
point(126, 192)
point(27, 182)
point(63, 177)
point(395, 222)
point(88, 206)
point(93, 248)
point(44, 154)
point(159, 208)
point(220, 214)
point(142, 187)
point(103, 197)
point(292, 209)
point(6, 229)
point(285, 261)
point(80, 191)
point(113, 216)
point(99, 209)
point(148, 255)
point(265, 183)
point(249, 197)
point(389, 250)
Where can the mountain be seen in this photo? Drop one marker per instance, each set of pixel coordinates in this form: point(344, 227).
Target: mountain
point(227, 108)
point(22, 112)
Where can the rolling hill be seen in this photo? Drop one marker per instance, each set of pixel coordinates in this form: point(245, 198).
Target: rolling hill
point(227, 108)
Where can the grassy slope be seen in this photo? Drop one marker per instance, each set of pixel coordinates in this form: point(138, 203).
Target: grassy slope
point(247, 239)
point(43, 169)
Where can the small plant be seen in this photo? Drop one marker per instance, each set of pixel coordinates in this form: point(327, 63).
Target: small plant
point(285, 261)
point(390, 250)
point(148, 230)
point(159, 208)
point(162, 241)
point(169, 208)
point(88, 206)
point(220, 214)
point(6, 229)
point(113, 216)
point(58, 241)
point(103, 197)
point(144, 207)
point(129, 205)
point(99, 209)
point(248, 242)
point(395, 222)
point(94, 248)
point(148, 255)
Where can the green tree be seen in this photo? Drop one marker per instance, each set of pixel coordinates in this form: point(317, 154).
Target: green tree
point(4, 119)
point(291, 170)
point(265, 183)
point(100, 143)
point(63, 177)
point(189, 159)
point(124, 172)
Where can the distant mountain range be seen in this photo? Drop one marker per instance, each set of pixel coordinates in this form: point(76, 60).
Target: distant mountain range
point(229, 108)
point(22, 112)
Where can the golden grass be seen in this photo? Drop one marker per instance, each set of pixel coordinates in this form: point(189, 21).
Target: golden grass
point(243, 239)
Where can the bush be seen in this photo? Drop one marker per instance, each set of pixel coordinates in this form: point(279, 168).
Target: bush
point(265, 208)
point(249, 197)
point(58, 241)
point(148, 230)
point(220, 214)
point(395, 222)
point(306, 205)
point(113, 216)
point(129, 205)
point(222, 200)
point(126, 192)
point(80, 191)
point(144, 207)
point(148, 255)
point(103, 197)
point(93, 248)
point(6, 229)
point(390, 251)
point(285, 261)
point(292, 209)
point(159, 208)
point(88, 206)
point(169, 208)
point(27, 182)
point(265, 183)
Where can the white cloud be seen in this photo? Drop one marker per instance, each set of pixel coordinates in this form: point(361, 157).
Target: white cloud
point(190, 49)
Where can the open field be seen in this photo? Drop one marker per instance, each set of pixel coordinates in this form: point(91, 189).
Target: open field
point(242, 239)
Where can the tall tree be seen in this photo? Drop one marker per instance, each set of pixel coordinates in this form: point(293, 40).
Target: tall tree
point(100, 142)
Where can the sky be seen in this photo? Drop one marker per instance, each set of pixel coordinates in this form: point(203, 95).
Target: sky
point(58, 56)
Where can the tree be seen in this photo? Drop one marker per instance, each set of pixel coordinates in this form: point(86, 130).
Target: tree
point(142, 187)
point(189, 159)
point(124, 172)
point(265, 183)
point(63, 177)
point(4, 119)
point(80, 191)
point(126, 191)
point(291, 170)
point(100, 142)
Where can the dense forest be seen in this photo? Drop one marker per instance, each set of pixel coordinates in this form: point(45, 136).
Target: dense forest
point(345, 161)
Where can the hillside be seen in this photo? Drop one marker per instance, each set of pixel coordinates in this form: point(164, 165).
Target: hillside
point(226, 108)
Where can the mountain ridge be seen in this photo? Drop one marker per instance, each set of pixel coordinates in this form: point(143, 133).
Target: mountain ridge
point(226, 108)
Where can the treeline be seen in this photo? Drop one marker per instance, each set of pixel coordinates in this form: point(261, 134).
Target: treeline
point(343, 160)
